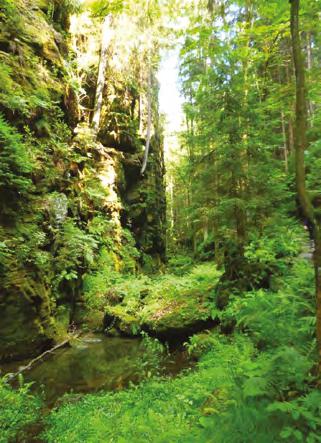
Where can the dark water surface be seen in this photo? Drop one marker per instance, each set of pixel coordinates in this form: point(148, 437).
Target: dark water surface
point(92, 363)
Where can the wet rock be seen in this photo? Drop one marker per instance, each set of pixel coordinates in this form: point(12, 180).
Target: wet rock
point(26, 327)
point(58, 207)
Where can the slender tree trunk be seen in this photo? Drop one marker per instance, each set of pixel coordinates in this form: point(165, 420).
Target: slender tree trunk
point(149, 120)
point(291, 135)
point(290, 122)
point(171, 192)
point(140, 110)
point(284, 137)
point(286, 162)
point(317, 267)
point(309, 50)
point(140, 130)
point(105, 42)
point(301, 144)
point(310, 64)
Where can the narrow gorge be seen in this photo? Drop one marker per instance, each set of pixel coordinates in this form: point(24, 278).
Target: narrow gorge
point(75, 201)
point(160, 223)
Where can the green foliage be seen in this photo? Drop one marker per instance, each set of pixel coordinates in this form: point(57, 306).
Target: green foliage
point(313, 164)
point(75, 254)
point(271, 252)
point(179, 264)
point(283, 316)
point(97, 282)
point(275, 371)
point(166, 301)
point(128, 252)
point(18, 408)
point(103, 8)
point(256, 382)
point(15, 165)
point(117, 259)
point(152, 357)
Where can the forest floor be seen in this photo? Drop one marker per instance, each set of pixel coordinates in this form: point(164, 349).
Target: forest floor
point(249, 383)
point(252, 385)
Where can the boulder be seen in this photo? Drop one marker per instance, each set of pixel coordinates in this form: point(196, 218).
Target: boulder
point(166, 319)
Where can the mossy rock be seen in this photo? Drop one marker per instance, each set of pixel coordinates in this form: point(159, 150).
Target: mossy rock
point(62, 320)
point(180, 318)
point(39, 33)
point(165, 319)
point(88, 319)
point(26, 328)
point(121, 322)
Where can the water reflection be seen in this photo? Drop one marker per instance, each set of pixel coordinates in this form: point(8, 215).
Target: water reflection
point(94, 363)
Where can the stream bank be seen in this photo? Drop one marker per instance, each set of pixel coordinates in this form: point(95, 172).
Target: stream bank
point(92, 364)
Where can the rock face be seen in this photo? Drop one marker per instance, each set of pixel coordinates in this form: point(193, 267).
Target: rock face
point(31, 58)
point(26, 328)
point(122, 131)
point(144, 200)
point(74, 197)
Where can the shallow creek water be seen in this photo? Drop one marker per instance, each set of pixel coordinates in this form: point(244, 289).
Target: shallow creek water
point(93, 363)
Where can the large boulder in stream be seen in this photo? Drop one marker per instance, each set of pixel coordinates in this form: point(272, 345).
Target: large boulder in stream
point(167, 320)
point(170, 308)
point(181, 318)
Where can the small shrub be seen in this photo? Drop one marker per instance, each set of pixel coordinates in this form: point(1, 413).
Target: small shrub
point(151, 359)
point(18, 408)
point(15, 166)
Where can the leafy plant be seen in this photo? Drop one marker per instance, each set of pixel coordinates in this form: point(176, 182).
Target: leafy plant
point(151, 360)
point(15, 168)
point(76, 251)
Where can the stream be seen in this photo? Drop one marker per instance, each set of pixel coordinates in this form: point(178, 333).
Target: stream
point(95, 362)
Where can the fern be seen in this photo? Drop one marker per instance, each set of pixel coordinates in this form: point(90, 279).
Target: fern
point(15, 167)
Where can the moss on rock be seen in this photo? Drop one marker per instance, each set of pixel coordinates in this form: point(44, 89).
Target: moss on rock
point(169, 306)
point(25, 327)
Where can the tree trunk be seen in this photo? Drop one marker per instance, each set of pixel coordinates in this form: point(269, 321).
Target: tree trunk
point(284, 137)
point(291, 135)
point(317, 268)
point(310, 65)
point(290, 121)
point(105, 41)
point(285, 148)
point(149, 120)
point(300, 133)
point(301, 144)
point(140, 110)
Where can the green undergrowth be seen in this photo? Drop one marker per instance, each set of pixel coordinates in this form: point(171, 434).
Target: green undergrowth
point(18, 408)
point(189, 292)
point(254, 385)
